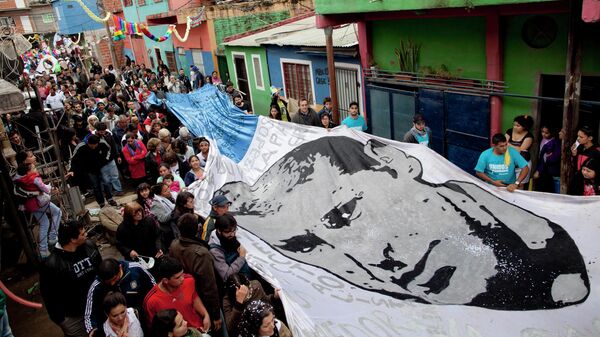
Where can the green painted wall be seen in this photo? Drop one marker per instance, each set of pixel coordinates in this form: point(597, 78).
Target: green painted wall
point(523, 65)
point(360, 6)
point(241, 24)
point(261, 98)
point(458, 43)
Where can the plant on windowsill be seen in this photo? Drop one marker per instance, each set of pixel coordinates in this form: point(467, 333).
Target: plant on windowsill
point(407, 56)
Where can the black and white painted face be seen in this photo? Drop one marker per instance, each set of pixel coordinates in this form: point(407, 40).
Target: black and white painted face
point(374, 222)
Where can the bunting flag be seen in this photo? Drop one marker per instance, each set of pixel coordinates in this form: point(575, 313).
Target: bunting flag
point(368, 236)
point(123, 28)
point(195, 21)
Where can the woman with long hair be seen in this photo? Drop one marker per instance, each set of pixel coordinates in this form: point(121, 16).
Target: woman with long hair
point(520, 138)
point(121, 321)
point(258, 320)
point(137, 234)
point(184, 204)
point(275, 112)
point(145, 197)
point(195, 173)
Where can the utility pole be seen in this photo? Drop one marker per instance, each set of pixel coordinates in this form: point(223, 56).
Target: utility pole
point(111, 46)
point(331, 73)
point(572, 95)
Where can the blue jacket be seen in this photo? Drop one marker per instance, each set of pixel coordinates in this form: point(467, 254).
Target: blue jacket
point(134, 285)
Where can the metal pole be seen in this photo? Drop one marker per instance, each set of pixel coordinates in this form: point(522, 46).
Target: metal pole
point(331, 73)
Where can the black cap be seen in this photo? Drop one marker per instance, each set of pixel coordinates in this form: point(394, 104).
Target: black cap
point(418, 118)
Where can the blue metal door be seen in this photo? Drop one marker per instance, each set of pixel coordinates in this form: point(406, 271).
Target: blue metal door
point(431, 106)
point(460, 125)
point(467, 129)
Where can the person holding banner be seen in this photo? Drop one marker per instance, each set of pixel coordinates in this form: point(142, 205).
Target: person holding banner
point(497, 165)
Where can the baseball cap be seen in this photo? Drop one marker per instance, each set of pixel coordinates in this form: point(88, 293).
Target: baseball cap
point(418, 118)
point(220, 200)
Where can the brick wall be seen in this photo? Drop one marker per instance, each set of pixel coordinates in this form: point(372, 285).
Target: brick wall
point(8, 4)
point(114, 6)
point(104, 53)
point(18, 24)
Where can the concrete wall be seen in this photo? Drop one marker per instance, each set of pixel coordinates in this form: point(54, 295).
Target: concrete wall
point(360, 6)
point(37, 18)
point(71, 18)
point(261, 98)
point(459, 43)
point(523, 65)
point(136, 13)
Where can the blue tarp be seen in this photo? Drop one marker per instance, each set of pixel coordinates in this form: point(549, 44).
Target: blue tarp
point(208, 112)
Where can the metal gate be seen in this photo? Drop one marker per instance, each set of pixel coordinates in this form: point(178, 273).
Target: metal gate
point(460, 123)
point(348, 89)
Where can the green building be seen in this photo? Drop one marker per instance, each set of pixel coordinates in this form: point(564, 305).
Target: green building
point(472, 66)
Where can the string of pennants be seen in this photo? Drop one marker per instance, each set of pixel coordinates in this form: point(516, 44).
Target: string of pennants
point(123, 27)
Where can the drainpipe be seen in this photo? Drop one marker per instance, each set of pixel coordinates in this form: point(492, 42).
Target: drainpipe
point(493, 53)
point(331, 73)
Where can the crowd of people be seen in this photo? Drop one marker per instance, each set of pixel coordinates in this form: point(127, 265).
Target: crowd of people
point(508, 163)
point(200, 281)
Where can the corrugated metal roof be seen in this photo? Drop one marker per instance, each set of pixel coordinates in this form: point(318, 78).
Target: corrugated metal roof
point(299, 33)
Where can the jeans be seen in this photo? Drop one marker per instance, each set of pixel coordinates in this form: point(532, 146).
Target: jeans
point(556, 181)
point(110, 176)
point(99, 186)
point(41, 215)
point(4, 326)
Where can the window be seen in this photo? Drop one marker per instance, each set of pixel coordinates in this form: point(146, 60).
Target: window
point(127, 3)
point(258, 76)
point(198, 60)
point(48, 18)
point(7, 21)
point(141, 2)
point(297, 81)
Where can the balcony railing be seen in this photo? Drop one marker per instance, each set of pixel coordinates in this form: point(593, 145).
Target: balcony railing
point(417, 80)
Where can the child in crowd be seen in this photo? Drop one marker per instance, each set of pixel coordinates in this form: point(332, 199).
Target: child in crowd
point(169, 180)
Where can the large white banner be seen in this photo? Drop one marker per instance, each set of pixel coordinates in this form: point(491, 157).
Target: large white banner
point(372, 237)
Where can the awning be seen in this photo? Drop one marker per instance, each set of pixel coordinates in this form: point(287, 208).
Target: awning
point(302, 32)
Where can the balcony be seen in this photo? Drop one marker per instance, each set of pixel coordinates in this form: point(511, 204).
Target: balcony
point(178, 12)
point(444, 83)
point(325, 7)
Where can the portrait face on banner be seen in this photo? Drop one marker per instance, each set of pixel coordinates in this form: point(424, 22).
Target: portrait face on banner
point(364, 213)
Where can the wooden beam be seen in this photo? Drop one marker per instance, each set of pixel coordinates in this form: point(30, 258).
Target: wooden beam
point(331, 73)
point(572, 96)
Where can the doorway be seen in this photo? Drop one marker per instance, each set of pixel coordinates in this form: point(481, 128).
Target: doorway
point(550, 112)
point(348, 87)
point(158, 57)
point(171, 63)
point(241, 75)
